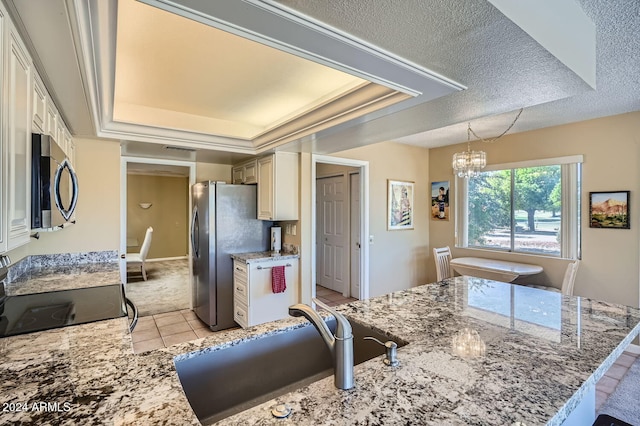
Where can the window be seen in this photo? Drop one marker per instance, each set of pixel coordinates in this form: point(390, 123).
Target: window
point(529, 207)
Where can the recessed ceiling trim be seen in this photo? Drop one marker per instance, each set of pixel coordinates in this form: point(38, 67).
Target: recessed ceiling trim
point(367, 99)
point(97, 23)
point(277, 26)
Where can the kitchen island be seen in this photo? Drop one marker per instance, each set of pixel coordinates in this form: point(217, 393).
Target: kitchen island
point(479, 352)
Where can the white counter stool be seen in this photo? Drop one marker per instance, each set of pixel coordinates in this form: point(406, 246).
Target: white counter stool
point(442, 257)
point(567, 283)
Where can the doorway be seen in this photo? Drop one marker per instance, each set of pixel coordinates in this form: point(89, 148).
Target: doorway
point(339, 219)
point(155, 193)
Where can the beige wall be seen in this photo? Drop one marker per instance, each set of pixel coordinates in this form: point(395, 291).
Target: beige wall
point(217, 172)
point(611, 149)
point(397, 259)
point(168, 214)
point(98, 210)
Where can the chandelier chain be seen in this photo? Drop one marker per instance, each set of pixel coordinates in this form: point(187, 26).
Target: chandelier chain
point(470, 130)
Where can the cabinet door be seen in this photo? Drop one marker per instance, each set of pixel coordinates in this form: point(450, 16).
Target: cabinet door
point(51, 120)
point(238, 175)
point(250, 172)
point(265, 188)
point(265, 305)
point(39, 104)
point(18, 140)
point(4, 185)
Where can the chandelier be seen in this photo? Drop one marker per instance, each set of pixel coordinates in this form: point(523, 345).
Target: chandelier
point(469, 163)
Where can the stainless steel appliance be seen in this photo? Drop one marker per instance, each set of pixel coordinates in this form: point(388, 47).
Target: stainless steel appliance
point(224, 221)
point(54, 184)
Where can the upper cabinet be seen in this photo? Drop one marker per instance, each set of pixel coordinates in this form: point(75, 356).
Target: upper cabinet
point(39, 104)
point(17, 132)
point(278, 186)
point(245, 172)
point(26, 107)
point(3, 145)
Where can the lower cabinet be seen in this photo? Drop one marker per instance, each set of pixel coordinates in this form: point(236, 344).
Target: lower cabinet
point(254, 301)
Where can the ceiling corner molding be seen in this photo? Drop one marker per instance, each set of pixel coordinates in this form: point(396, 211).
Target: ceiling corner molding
point(365, 99)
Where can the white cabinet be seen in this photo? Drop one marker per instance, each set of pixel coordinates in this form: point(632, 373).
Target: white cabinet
point(17, 133)
point(38, 104)
point(51, 120)
point(278, 186)
point(4, 189)
point(69, 146)
point(245, 172)
point(254, 301)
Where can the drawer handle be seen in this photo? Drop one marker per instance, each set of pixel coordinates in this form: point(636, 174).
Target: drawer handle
point(237, 269)
point(239, 288)
point(240, 314)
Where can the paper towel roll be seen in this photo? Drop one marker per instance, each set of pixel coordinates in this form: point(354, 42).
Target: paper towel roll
point(276, 239)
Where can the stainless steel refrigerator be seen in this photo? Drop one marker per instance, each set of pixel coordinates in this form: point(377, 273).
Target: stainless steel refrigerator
point(224, 221)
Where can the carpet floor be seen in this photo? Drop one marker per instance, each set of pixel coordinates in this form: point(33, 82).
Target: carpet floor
point(624, 402)
point(166, 288)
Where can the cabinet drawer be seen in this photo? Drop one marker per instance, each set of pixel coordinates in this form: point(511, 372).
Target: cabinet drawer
point(241, 314)
point(240, 293)
point(240, 269)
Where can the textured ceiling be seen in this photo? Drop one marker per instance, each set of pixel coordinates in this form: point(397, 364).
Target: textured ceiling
point(502, 66)
point(469, 41)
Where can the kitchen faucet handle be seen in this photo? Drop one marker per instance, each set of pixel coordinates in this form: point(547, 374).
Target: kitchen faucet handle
point(392, 351)
point(343, 330)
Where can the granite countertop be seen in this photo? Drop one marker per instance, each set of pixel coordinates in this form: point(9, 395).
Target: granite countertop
point(262, 256)
point(539, 358)
point(64, 277)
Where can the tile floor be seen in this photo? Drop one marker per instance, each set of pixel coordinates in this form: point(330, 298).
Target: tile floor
point(607, 384)
point(162, 330)
point(330, 297)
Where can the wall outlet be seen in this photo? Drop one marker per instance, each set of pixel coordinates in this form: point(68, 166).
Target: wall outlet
point(287, 229)
point(293, 229)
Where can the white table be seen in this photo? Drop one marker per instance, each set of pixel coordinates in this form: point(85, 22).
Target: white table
point(499, 270)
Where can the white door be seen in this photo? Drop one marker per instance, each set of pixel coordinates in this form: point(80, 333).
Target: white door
point(332, 234)
point(354, 201)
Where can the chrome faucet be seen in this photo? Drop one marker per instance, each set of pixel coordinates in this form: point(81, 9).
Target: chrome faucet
point(340, 345)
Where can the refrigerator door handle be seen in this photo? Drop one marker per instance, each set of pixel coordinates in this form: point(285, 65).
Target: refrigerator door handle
point(195, 232)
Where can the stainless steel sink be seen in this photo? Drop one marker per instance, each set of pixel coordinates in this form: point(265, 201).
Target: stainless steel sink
point(222, 383)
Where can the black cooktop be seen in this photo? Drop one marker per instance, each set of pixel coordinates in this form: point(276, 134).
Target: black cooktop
point(42, 311)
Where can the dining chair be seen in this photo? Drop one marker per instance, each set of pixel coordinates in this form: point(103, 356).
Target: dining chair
point(442, 257)
point(570, 278)
point(141, 257)
point(568, 282)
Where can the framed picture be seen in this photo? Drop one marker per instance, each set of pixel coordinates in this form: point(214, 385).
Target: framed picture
point(399, 205)
point(440, 200)
point(609, 210)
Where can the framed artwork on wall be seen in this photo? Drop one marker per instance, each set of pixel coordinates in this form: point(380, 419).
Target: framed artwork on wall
point(399, 205)
point(440, 200)
point(609, 210)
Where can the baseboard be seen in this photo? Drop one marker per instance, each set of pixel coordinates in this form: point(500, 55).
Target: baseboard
point(162, 259)
point(633, 348)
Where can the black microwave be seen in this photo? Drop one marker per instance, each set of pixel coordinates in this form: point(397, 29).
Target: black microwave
point(54, 184)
